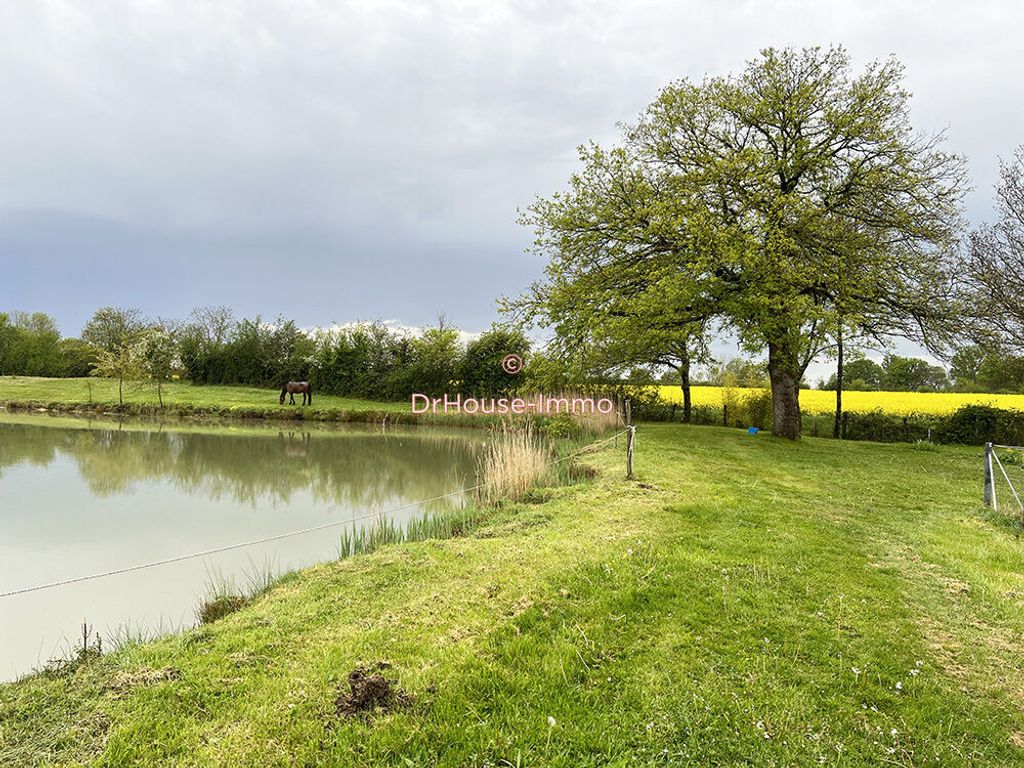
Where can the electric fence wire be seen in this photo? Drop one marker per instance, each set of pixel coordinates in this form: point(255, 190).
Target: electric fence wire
point(276, 537)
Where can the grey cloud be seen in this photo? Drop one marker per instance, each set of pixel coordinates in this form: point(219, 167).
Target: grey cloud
point(339, 160)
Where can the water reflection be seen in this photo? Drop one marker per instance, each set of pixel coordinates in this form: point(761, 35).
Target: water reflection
point(78, 498)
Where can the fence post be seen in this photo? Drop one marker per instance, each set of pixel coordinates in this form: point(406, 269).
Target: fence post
point(989, 487)
point(630, 437)
point(630, 431)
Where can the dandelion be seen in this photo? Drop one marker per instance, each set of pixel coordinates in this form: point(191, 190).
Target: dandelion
point(551, 721)
point(856, 671)
point(915, 672)
point(899, 686)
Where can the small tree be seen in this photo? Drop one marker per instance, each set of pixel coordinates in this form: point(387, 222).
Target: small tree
point(125, 363)
point(158, 350)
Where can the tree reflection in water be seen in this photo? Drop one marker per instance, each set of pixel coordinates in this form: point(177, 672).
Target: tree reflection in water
point(353, 466)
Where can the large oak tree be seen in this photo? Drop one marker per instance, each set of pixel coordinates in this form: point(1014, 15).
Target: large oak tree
point(787, 202)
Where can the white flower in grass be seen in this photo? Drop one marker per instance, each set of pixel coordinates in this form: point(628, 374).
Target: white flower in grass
point(856, 671)
point(551, 722)
point(899, 686)
point(915, 672)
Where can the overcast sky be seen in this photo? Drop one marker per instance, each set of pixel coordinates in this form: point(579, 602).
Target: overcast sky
point(337, 161)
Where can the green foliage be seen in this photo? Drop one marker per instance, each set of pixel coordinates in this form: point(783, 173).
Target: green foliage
point(110, 328)
point(480, 369)
point(978, 369)
point(859, 375)
point(786, 202)
point(158, 350)
point(737, 372)
point(31, 345)
point(435, 357)
point(912, 374)
point(977, 424)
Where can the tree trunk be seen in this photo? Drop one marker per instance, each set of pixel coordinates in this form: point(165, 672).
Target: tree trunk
point(684, 382)
point(159, 393)
point(784, 372)
point(120, 393)
point(839, 386)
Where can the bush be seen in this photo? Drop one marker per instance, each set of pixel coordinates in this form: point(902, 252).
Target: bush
point(977, 424)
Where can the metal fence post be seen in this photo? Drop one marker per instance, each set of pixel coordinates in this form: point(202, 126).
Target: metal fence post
point(990, 496)
point(630, 436)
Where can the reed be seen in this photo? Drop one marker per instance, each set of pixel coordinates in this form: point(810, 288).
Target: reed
point(515, 460)
point(444, 524)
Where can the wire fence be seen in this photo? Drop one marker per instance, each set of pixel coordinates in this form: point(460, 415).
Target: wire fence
point(302, 531)
point(994, 462)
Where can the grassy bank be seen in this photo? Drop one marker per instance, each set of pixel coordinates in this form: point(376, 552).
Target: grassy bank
point(183, 399)
point(746, 601)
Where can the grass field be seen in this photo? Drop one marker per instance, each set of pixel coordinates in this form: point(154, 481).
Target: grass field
point(815, 401)
point(750, 602)
point(93, 391)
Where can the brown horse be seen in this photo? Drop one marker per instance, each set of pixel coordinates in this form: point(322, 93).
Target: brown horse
point(293, 388)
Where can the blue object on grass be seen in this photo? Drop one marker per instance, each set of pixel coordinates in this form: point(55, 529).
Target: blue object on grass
point(752, 430)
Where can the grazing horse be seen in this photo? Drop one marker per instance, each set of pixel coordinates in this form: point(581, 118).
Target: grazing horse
point(293, 388)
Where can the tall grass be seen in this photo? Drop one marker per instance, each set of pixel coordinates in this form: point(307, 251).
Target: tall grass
point(515, 460)
point(223, 595)
point(445, 524)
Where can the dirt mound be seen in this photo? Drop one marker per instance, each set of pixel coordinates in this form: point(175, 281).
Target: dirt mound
point(370, 691)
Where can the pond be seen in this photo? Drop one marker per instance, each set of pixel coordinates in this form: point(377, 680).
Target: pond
point(82, 497)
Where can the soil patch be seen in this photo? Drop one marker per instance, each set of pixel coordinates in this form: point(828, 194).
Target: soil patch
point(370, 691)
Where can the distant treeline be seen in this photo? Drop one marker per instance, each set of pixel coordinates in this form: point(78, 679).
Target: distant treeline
point(972, 369)
point(374, 361)
point(31, 345)
point(367, 360)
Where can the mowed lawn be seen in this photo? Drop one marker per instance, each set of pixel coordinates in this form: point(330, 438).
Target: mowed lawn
point(25, 389)
point(746, 601)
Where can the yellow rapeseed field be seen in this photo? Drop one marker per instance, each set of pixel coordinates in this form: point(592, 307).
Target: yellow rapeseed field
point(896, 403)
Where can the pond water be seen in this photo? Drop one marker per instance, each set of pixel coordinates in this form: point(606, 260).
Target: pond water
point(80, 497)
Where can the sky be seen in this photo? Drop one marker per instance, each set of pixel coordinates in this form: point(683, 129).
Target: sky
point(339, 161)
